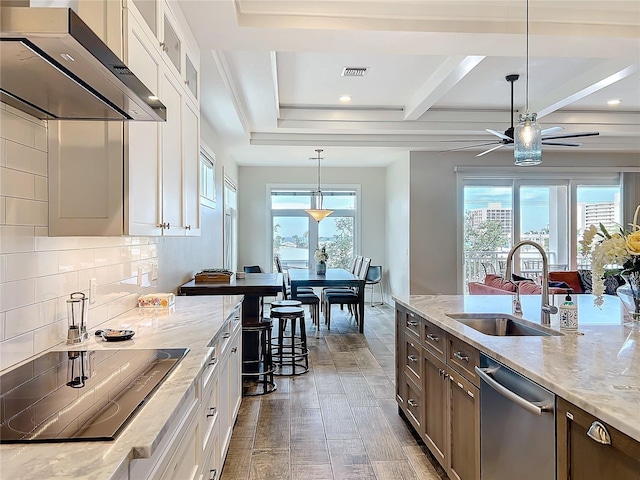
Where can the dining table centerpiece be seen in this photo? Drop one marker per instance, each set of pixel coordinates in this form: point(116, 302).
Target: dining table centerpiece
point(616, 253)
point(321, 256)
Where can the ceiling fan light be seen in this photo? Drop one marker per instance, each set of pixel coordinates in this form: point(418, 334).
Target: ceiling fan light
point(527, 141)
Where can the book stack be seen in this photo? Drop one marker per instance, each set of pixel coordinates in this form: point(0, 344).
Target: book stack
point(214, 275)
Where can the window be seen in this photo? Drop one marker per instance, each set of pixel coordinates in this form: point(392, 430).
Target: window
point(207, 179)
point(553, 212)
point(296, 236)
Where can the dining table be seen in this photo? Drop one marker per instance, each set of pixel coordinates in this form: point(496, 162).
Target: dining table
point(334, 277)
point(253, 286)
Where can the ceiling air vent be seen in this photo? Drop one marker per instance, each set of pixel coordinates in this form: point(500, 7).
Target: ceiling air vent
point(354, 71)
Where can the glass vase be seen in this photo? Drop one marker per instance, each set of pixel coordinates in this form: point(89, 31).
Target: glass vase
point(629, 295)
point(321, 268)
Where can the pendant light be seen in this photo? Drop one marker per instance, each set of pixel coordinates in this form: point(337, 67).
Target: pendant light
point(527, 135)
point(317, 212)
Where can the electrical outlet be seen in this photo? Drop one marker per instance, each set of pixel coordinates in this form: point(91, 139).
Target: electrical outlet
point(139, 275)
point(93, 290)
point(154, 271)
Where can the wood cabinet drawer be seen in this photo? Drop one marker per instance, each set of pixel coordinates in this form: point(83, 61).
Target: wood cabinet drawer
point(435, 339)
point(464, 358)
point(412, 360)
point(414, 405)
point(413, 325)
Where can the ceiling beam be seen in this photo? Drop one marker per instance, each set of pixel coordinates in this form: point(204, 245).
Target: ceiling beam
point(582, 86)
point(448, 74)
point(230, 86)
point(274, 78)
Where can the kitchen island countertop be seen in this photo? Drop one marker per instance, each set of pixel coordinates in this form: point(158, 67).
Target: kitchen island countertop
point(192, 322)
point(597, 369)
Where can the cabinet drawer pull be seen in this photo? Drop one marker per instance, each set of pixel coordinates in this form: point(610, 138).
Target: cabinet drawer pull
point(412, 323)
point(234, 349)
point(226, 335)
point(598, 432)
point(213, 473)
point(461, 356)
point(212, 412)
point(412, 403)
point(411, 315)
point(443, 373)
point(413, 358)
point(213, 361)
point(433, 337)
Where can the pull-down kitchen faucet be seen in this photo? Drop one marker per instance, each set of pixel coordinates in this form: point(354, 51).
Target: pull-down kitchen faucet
point(546, 309)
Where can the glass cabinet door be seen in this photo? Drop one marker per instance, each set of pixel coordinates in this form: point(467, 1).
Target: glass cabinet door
point(191, 75)
point(172, 45)
point(149, 11)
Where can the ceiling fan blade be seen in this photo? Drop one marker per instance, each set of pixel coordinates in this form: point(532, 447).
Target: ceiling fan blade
point(550, 130)
point(469, 146)
point(490, 150)
point(499, 135)
point(570, 135)
point(562, 144)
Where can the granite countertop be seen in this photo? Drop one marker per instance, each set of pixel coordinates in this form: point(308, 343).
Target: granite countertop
point(597, 369)
point(192, 322)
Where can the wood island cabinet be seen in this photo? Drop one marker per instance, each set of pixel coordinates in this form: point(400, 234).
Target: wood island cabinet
point(438, 393)
point(581, 457)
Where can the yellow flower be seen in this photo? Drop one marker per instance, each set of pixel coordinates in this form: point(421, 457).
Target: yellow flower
point(633, 243)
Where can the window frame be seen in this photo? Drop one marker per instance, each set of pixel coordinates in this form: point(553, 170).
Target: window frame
point(313, 225)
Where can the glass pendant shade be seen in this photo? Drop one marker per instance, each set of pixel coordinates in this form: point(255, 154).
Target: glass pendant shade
point(316, 211)
point(527, 140)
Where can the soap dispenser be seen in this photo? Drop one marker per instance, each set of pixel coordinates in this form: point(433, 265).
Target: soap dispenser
point(569, 313)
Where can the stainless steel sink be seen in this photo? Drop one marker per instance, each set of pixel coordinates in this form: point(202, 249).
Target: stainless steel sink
point(502, 325)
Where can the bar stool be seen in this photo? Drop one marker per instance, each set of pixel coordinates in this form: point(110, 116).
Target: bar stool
point(259, 372)
point(290, 351)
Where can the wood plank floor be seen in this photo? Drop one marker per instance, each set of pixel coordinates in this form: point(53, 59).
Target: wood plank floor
point(338, 421)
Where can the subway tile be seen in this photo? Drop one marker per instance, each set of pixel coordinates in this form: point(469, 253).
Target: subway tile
point(43, 242)
point(17, 128)
point(3, 203)
point(26, 159)
point(72, 260)
point(20, 266)
point(41, 188)
point(23, 320)
point(16, 294)
point(26, 212)
point(3, 260)
point(40, 139)
point(95, 242)
point(26, 116)
point(49, 336)
point(16, 239)
point(14, 183)
point(53, 310)
point(148, 251)
point(97, 316)
point(60, 285)
point(107, 256)
point(16, 350)
point(102, 276)
point(3, 152)
point(2, 318)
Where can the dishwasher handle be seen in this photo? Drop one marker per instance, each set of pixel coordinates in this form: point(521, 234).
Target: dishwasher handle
point(515, 398)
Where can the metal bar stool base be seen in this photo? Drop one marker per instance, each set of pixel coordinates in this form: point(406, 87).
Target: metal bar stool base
point(257, 375)
point(290, 351)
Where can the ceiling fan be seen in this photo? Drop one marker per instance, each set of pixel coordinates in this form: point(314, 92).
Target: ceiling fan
point(506, 138)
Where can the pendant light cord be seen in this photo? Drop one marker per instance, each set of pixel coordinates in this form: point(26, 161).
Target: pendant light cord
point(527, 67)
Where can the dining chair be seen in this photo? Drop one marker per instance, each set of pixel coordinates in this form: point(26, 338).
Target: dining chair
point(305, 297)
point(345, 297)
point(374, 277)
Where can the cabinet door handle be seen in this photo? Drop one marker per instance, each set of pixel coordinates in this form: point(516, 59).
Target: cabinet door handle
point(212, 412)
point(168, 226)
point(461, 356)
point(213, 361)
point(598, 432)
point(213, 473)
point(164, 46)
point(226, 335)
point(234, 349)
point(188, 227)
point(412, 403)
point(412, 323)
point(443, 373)
point(433, 337)
point(413, 358)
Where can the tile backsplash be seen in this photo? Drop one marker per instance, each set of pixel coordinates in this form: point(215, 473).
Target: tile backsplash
point(38, 272)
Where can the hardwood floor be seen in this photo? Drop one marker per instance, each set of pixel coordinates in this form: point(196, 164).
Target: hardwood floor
point(338, 421)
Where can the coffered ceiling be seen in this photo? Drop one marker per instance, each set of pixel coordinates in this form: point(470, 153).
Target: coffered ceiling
point(272, 78)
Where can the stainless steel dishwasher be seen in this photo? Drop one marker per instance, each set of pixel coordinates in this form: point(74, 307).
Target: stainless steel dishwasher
point(517, 425)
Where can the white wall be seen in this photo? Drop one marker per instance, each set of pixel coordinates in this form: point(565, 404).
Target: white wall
point(253, 207)
point(396, 279)
point(434, 203)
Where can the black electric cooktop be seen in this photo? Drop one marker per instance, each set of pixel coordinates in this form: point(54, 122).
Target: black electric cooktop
point(80, 395)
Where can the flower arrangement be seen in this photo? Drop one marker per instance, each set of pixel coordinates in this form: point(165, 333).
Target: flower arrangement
point(613, 253)
point(321, 255)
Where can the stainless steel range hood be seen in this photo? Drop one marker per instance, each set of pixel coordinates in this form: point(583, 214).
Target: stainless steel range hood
point(54, 67)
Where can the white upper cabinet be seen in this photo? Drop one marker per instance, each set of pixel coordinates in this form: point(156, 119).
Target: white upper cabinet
point(149, 183)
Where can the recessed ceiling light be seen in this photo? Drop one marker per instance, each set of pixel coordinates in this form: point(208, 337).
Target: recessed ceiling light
point(345, 98)
point(614, 102)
